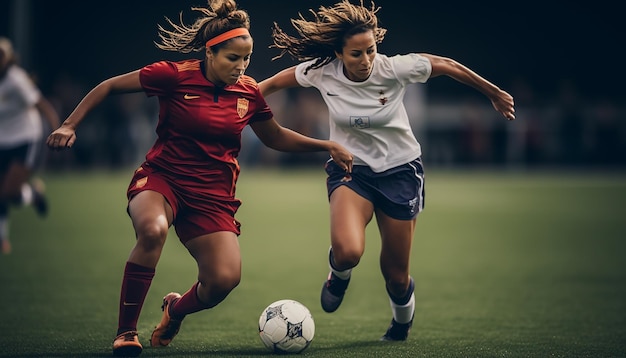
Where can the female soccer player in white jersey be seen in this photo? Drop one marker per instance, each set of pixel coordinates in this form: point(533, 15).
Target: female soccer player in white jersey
point(364, 90)
point(22, 108)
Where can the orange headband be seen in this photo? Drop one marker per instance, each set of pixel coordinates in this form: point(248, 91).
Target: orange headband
point(240, 31)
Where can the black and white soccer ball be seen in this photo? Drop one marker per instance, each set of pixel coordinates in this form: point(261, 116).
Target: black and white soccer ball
point(286, 326)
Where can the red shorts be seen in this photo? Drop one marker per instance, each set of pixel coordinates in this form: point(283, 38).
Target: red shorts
point(195, 212)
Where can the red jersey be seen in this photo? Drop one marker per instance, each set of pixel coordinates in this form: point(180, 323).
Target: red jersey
point(200, 124)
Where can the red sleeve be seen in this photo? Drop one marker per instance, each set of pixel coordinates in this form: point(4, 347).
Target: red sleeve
point(263, 111)
point(159, 78)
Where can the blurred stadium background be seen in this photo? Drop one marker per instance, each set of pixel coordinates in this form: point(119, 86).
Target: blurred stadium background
point(559, 60)
point(509, 265)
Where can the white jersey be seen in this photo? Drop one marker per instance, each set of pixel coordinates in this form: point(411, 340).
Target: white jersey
point(20, 121)
point(368, 118)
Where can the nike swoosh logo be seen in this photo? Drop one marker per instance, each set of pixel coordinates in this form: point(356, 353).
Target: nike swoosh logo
point(331, 94)
point(130, 304)
point(188, 96)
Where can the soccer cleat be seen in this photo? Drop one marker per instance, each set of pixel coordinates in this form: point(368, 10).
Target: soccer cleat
point(332, 292)
point(40, 203)
point(127, 345)
point(397, 331)
point(168, 327)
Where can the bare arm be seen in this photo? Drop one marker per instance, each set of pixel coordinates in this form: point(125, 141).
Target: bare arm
point(48, 112)
point(284, 139)
point(283, 79)
point(501, 100)
point(65, 135)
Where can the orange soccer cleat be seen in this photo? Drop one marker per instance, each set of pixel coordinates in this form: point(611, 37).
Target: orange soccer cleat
point(168, 327)
point(127, 345)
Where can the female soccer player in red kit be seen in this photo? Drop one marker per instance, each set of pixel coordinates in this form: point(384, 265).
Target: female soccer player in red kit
point(189, 176)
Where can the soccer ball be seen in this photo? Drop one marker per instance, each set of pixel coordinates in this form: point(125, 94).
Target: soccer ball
point(286, 326)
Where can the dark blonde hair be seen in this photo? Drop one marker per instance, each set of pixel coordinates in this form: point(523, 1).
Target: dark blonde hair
point(220, 16)
point(7, 55)
point(327, 33)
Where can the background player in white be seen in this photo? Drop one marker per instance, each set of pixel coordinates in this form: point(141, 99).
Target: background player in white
point(364, 90)
point(21, 139)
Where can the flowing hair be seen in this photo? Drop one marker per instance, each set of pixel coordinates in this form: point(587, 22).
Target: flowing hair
point(220, 16)
point(326, 34)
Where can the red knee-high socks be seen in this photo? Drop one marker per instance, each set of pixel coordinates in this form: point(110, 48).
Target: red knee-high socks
point(135, 285)
point(188, 303)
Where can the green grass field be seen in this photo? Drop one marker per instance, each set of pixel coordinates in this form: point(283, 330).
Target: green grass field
point(505, 264)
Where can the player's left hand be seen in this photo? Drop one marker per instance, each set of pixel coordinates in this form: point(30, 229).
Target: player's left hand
point(61, 138)
point(504, 104)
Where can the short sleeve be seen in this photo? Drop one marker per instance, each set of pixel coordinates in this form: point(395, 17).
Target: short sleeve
point(159, 78)
point(412, 68)
point(311, 76)
point(264, 111)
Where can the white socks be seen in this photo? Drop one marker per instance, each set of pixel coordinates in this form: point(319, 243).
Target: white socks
point(403, 308)
point(403, 313)
point(27, 194)
point(345, 274)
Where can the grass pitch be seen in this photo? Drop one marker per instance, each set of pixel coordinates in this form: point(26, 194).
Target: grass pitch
point(505, 265)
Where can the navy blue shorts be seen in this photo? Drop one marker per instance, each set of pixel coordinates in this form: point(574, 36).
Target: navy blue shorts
point(28, 154)
point(398, 192)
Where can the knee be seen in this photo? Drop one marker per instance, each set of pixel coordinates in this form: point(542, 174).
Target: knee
point(219, 285)
point(228, 282)
point(395, 269)
point(398, 284)
point(151, 234)
point(346, 257)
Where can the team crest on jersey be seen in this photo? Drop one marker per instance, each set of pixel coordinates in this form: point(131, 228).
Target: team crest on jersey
point(141, 182)
point(359, 122)
point(242, 107)
point(382, 98)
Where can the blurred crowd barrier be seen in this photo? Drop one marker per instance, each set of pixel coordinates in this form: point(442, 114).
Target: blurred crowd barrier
point(562, 130)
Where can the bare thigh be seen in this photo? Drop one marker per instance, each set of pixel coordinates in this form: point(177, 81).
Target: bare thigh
point(349, 215)
point(151, 216)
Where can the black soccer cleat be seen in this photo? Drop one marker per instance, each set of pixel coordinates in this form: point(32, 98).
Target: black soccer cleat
point(397, 331)
point(40, 202)
point(332, 292)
